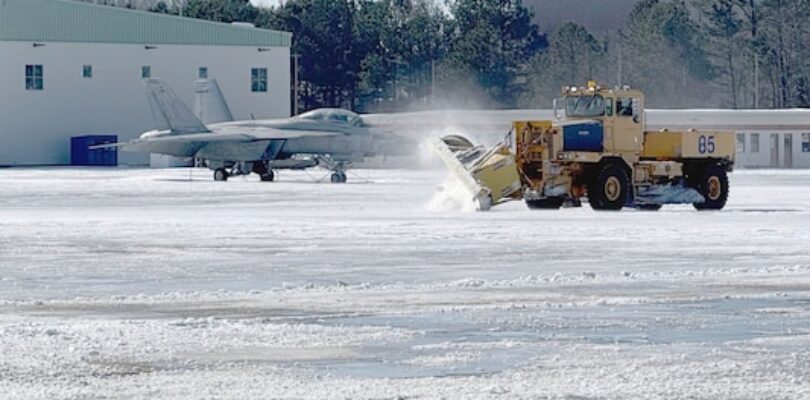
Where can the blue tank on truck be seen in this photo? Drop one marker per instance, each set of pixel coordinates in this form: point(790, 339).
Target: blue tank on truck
point(583, 136)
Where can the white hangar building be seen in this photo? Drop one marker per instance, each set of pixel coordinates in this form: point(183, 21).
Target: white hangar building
point(71, 69)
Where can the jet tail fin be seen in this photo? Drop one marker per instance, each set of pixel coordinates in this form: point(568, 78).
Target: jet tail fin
point(169, 111)
point(210, 105)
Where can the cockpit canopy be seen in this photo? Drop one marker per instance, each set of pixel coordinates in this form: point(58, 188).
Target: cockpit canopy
point(337, 115)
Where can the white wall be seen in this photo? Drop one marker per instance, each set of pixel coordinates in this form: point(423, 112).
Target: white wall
point(746, 158)
point(36, 126)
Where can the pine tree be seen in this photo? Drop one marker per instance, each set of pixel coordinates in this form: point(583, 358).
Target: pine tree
point(574, 56)
point(494, 41)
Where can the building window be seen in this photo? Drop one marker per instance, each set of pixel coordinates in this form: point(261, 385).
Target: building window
point(258, 79)
point(87, 71)
point(203, 73)
point(755, 142)
point(806, 142)
point(34, 78)
point(740, 143)
point(146, 72)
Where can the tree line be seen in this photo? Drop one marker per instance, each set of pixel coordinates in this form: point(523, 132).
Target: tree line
point(385, 55)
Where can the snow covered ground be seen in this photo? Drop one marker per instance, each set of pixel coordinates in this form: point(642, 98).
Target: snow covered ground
point(128, 283)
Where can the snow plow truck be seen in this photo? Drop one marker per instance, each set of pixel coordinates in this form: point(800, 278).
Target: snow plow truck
point(596, 148)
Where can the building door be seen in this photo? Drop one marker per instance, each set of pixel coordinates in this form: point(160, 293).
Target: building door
point(788, 150)
point(774, 150)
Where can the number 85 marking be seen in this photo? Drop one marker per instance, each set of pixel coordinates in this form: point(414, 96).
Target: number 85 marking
point(706, 144)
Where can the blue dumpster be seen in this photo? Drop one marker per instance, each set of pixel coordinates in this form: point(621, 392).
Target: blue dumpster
point(81, 154)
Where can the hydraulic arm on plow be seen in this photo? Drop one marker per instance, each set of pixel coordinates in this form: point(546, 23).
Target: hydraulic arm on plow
point(598, 149)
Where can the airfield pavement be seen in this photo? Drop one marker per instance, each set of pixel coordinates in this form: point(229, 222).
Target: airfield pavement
point(144, 284)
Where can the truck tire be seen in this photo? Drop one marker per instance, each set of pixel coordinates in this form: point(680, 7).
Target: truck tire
point(609, 189)
point(550, 203)
point(712, 184)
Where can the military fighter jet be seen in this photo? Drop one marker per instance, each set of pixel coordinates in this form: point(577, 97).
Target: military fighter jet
point(330, 138)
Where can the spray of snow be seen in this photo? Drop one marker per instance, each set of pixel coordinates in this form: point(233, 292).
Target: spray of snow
point(452, 195)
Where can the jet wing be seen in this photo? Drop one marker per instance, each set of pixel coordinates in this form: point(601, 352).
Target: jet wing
point(219, 135)
point(143, 143)
point(241, 135)
point(266, 133)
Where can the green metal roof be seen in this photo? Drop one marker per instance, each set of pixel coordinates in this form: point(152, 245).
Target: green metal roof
point(70, 21)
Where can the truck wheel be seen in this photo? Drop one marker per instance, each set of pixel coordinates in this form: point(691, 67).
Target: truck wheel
point(551, 203)
point(610, 188)
point(713, 186)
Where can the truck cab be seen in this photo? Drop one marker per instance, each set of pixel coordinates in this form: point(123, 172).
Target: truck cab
point(613, 110)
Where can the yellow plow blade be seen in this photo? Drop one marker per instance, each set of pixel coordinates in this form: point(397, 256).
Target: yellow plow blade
point(490, 175)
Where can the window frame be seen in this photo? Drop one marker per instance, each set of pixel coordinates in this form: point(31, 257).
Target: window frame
point(146, 71)
point(34, 77)
point(805, 142)
point(87, 71)
point(609, 106)
point(740, 143)
point(258, 80)
point(754, 142)
point(632, 106)
point(595, 104)
point(202, 73)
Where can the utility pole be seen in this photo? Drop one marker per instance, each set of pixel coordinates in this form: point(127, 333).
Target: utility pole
point(351, 73)
point(397, 62)
point(756, 81)
point(396, 72)
point(295, 58)
point(619, 69)
point(432, 81)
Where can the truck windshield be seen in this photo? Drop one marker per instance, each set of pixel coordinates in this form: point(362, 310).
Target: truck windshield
point(584, 106)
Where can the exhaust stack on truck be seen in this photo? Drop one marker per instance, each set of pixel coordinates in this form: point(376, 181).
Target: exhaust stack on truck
point(596, 148)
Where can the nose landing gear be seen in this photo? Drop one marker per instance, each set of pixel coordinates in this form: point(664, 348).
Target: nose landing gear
point(339, 177)
point(338, 168)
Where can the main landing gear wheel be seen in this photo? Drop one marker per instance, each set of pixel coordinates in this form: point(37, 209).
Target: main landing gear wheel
point(265, 174)
point(713, 186)
point(268, 176)
point(551, 203)
point(339, 177)
point(220, 175)
point(610, 188)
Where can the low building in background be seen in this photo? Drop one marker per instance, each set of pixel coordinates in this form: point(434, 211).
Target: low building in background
point(73, 69)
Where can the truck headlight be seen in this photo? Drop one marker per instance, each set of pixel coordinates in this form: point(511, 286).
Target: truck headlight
point(565, 156)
